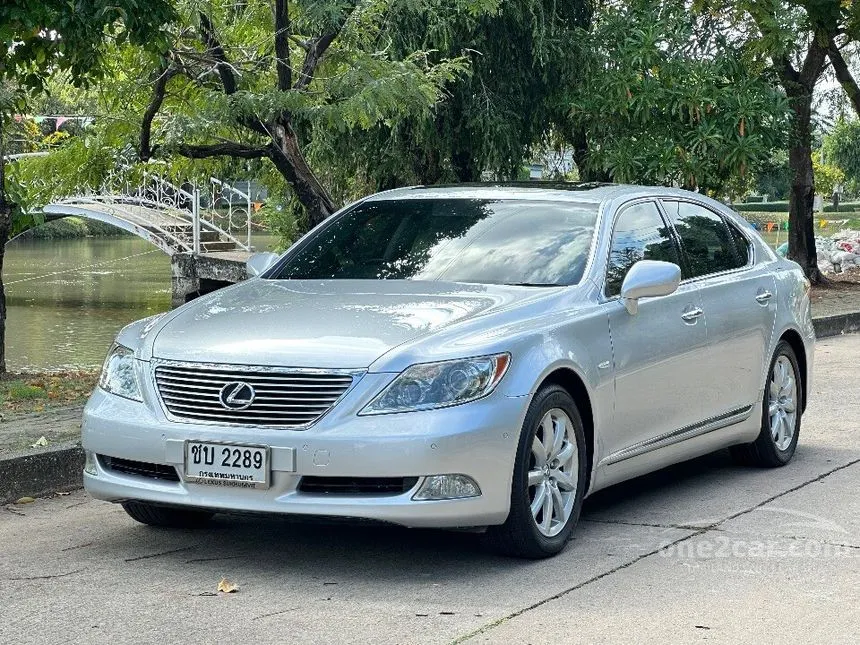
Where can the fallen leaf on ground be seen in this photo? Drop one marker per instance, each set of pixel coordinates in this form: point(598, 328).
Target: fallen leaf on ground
point(41, 442)
point(225, 586)
point(25, 500)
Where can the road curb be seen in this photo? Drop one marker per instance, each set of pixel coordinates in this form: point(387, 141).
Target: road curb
point(41, 471)
point(836, 325)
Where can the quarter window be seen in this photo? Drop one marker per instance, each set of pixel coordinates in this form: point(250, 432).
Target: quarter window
point(640, 234)
point(708, 244)
point(742, 245)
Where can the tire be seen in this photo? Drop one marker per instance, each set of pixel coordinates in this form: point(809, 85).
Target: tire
point(165, 516)
point(772, 448)
point(520, 535)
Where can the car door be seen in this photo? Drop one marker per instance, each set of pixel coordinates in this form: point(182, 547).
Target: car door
point(739, 303)
point(656, 351)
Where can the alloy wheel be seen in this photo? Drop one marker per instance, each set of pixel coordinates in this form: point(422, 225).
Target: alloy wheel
point(782, 402)
point(552, 475)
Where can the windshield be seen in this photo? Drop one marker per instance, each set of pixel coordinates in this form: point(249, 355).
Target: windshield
point(458, 240)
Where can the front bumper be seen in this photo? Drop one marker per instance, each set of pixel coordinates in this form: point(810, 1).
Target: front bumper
point(477, 439)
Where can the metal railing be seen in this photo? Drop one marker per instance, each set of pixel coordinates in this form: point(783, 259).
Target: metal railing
point(222, 197)
point(218, 213)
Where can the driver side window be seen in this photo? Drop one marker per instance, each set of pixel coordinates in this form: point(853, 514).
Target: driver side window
point(640, 234)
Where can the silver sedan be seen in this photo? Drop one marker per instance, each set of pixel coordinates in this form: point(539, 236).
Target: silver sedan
point(467, 356)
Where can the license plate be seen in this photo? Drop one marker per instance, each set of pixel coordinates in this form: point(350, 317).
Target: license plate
point(227, 464)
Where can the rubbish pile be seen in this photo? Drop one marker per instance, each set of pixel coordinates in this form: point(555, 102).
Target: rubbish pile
point(839, 252)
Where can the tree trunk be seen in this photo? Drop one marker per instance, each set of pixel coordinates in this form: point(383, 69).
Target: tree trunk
point(5, 228)
point(579, 140)
point(287, 156)
point(801, 221)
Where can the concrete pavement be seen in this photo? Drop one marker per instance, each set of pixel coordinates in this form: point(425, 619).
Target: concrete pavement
point(702, 551)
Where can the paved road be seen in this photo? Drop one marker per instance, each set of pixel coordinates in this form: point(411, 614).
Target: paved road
point(702, 551)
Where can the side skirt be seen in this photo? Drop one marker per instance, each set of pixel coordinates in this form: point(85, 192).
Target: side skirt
point(689, 432)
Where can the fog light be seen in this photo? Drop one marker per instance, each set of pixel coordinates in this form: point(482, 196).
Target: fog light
point(447, 487)
point(90, 463)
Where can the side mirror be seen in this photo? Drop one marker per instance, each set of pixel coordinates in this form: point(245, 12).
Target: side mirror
point(648, 279)
point(259, 262)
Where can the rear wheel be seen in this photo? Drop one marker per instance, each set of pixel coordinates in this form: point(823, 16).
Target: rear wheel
point(171, 517)
point(780, 424)
point(548, 480)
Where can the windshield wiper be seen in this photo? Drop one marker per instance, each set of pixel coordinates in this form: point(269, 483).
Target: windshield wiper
point(531, 284)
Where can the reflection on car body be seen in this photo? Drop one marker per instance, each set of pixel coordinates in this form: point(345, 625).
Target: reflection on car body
point(469, 356)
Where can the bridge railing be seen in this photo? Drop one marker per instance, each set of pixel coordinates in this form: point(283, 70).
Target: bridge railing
point(219, 208)
point(223, 197)
point(187, 205)
point(165, 239)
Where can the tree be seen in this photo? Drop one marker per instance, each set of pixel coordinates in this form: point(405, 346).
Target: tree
point(668, 100)
point(827, 177)
point(38, 39)
point(261, 81)
point(511, 102)
point(842, 148)
point(798, 37)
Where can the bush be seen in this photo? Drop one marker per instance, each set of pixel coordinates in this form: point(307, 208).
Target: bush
point(844, 207)
point(762, 207)
point(70, 228)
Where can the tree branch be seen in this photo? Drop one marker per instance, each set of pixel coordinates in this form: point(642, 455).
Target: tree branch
point(225, 149)
point(159, 89)
point(812, 65)
point(282, 45)
point(316, 48)
point(225, 70)
point(844, 76)
point(216, 50)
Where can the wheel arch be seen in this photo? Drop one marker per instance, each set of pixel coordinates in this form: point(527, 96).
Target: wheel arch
point(573, 383)
point(795, 340)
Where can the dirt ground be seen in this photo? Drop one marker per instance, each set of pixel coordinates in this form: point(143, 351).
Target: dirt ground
point(839, 296)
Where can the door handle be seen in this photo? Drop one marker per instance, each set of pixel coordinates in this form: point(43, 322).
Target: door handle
point(692, 315)
point(763, 297)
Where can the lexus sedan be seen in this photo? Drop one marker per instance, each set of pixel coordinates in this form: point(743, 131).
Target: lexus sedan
point(479, 357)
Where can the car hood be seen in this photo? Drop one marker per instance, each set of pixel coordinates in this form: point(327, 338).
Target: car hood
point(324, 324)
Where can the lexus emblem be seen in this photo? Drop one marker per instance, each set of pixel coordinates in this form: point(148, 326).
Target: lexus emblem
point(236, 395)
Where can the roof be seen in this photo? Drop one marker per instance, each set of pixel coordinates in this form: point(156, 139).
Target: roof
point(534, 190)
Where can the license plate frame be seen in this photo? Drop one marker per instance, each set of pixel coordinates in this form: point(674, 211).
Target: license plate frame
point(260, 478)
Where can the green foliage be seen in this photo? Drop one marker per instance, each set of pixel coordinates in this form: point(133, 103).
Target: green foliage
point(766, 207)
point(70, 228)
point(668, 100)
point(18, 390)
point(842, 149)
point(844, 207)
point(773, 176)
point(510, 102)
point(44, 37)
point(827, 176)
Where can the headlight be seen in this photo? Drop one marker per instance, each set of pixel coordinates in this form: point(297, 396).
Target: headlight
point(118, 376)
point(438, 385)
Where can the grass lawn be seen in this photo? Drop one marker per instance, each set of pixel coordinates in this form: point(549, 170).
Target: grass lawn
point(24, 393)
point(835, 223)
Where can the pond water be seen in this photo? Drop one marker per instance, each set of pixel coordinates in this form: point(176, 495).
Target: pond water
point(68, 298)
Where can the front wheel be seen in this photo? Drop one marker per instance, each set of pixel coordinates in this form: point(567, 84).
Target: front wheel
point(780, 424)
point(548, 481)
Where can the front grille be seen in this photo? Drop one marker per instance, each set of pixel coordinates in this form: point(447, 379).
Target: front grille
point(140, 468)
point(357, 485)
point(282, 399)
